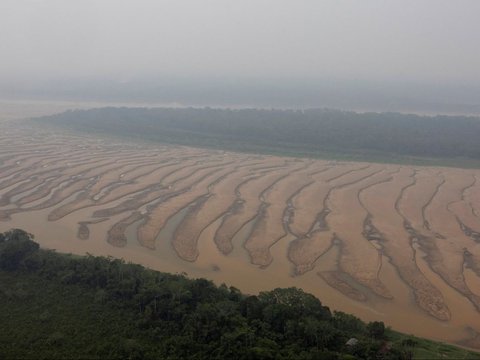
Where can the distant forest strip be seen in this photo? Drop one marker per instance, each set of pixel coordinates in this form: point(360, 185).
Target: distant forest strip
point(344, 135)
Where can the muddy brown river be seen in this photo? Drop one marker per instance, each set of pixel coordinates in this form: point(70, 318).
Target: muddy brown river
point(393, 243)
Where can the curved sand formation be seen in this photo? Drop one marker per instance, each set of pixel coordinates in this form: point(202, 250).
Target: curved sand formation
point(342, 218)
point(304, 251)
point(347, 218)
point(465, 212)
point(270, 224)
point(308, 204)
point(87, 198)
point(385, 225)
point(220, 198)
point(245, 207)
point(160, 213)
point(449, 242)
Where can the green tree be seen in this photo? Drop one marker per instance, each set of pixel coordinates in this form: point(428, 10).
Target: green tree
point(15, 246)
point(376, 329)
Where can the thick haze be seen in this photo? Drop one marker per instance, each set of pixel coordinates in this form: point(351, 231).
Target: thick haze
point(403, 43)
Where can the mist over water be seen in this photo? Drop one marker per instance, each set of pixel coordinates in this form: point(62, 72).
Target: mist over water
point(372, 55)
point(258, 93)
point(365, 237)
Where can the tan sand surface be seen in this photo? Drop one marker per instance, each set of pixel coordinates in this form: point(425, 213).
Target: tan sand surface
point(270, 223)
point(305, 250)
point(63, 174)
point(386, 226)
point(473, 194)
point(86, 199)
point(160, 213)
point(347, 219)
point(466, 212)
point(390, 243)
point(309, 202)
point(246, 207)
point(449, 243)
point(220, 198)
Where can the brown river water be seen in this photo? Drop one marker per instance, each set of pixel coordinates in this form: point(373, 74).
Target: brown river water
point(376, 248)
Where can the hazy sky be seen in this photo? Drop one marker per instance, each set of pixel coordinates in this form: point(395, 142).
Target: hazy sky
point(404, 40)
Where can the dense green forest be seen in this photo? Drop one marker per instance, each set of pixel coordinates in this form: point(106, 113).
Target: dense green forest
point(64, 306)
point(390, 137)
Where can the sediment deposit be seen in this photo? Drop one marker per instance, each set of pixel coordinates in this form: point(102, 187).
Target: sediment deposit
point(367, 238)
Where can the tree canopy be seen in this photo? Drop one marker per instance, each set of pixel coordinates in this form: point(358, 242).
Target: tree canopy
point(313, 132)
point(65, 306)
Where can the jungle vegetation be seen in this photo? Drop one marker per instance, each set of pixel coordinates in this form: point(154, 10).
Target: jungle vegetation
point(66, 306)
point(324, 133)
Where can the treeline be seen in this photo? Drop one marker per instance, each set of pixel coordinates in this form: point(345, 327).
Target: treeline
point(64, 306)
point(313, 132)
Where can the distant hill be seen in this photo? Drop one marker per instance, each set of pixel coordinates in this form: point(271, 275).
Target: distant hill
point(382, 137)
point(57, 306)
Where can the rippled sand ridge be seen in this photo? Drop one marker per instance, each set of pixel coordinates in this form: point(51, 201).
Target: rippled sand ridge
point(395, 243)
